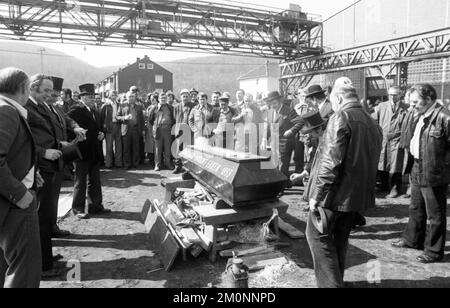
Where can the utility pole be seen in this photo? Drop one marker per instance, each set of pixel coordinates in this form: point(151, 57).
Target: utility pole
point(42, 50)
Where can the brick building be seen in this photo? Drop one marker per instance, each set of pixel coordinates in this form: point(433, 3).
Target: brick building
point(147, 75)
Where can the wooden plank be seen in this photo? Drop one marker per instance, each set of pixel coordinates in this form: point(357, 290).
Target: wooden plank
point(183, 243)
point(290, 230)
point(169, 251)
point(259, 262)
point(190, 235)
point(150, 221)
point(245, 252)
point(212, 216)
point(145, 210)
point(171, 185)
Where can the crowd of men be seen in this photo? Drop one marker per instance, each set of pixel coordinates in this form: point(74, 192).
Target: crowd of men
point(344, 152)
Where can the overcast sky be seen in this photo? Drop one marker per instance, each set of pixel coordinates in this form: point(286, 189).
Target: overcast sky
point(107, 56)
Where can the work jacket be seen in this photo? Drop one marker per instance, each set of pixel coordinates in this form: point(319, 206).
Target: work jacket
point(435, 149)
point(344, 171)
point(202, 120)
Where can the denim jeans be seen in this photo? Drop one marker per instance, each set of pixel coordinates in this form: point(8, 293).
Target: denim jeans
point(329, 251)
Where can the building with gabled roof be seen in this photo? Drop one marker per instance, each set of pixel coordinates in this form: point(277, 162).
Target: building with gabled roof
point(147, 75)
point(261, 79)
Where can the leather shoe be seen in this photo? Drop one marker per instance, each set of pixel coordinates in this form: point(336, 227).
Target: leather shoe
point(58, 233)
point(53, 273)
point(81, 215)
point(402, 244)
point(393, 194)
point(57, 258)
point(426, 259)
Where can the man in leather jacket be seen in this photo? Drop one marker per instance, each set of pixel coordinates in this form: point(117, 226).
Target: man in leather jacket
point(430, 176)
point(342, 183)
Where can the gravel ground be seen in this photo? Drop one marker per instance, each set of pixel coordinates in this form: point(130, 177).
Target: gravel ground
point(114, 251)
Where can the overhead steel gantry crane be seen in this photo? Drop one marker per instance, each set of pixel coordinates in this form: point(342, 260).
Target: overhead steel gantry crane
point(188, 24)
point(395, 53)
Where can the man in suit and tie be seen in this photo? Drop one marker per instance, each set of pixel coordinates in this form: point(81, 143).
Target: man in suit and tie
point(20, 252)
point(281, 114)
point(88, 168)
point(49, 131)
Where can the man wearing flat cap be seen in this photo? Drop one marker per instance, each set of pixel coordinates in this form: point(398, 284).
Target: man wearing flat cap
point(87, 170)
point(194, 96)
point(342, 184)
point(225, 127)
point(280, 114)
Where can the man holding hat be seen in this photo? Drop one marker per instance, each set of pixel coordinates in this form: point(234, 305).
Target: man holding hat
point(181, 113)
point(88, 168)
point(342, 184)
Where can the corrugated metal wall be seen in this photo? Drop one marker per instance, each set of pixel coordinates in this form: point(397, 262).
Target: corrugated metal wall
point(372, 21)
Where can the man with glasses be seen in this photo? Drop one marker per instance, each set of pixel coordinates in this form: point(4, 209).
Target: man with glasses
point(389, 116)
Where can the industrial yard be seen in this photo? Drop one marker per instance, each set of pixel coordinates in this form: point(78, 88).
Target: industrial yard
point(115, 251)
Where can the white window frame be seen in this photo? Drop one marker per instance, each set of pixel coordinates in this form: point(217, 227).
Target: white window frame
point(159, 81)
point(142, 66)
point(150, 66)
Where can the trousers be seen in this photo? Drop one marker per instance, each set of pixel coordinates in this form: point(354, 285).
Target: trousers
point(20, 249)
point(329, 252)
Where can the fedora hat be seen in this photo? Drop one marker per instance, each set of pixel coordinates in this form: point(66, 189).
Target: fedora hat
point(71, 153)
point(313, 90)
point(57, 83)
point(273, 96)
point(312, 120)
point(184, 91)
point(87, 89)
point(322, 220)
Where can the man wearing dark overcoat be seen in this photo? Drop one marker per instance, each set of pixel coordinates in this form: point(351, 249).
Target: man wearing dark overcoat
point(87, 170)
point(390, 116)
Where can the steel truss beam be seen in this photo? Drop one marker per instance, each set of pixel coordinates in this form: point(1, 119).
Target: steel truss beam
point(430, 45)
point(170, 24)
